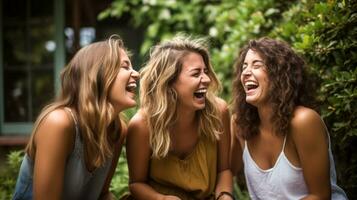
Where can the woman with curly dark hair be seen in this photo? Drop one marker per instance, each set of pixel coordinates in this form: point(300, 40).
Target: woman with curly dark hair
point(280, 140)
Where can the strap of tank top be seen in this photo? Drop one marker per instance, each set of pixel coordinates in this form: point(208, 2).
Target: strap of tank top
point(284, 143)
point(77, 145)
point(73, 117)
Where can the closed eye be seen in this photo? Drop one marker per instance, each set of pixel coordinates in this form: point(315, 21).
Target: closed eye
point(257, 66)
point(126, 67)
point(196, 74)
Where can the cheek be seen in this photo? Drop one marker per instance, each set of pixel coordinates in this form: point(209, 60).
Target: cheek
point(267, 86)
point(119, 83)
point(123, 77)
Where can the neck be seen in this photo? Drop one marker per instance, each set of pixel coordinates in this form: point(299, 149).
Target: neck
point(185, 119)
point(265, 113)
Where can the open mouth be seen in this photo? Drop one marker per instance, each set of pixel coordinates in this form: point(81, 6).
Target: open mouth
point(201, 93)
point(131, 87)
point(250, 85)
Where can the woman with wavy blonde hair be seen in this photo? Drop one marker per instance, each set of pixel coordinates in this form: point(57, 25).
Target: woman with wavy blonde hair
point(77, 139)
point(178, 142)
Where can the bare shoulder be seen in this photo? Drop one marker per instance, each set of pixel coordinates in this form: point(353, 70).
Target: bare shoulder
point(304, 117)
point(138, 137)
point(138, 124)
point(58, 119)
point(307, 126)
point(57, 128)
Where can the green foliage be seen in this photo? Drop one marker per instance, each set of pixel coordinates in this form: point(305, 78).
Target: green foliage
point(240, 190)
point(120, 181)
point(326, 36)
point(229, 24)
point(324, 32)
point(9, 174)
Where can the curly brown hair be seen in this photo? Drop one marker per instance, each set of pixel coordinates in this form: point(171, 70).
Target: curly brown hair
point(290, 86)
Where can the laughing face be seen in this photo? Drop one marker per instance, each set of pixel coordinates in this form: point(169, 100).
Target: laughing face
point(192, 82)
point(122, 92)
point(254, 79)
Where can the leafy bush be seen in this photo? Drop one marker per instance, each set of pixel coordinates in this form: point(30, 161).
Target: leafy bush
point(9, 174)
point(229, 24)
point(120, 181)
point(326, 35)
point(324, 32)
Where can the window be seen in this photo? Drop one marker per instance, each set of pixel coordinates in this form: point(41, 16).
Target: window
point(27, 62)
point(37, 39)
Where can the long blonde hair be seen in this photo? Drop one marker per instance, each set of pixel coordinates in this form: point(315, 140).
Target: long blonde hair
point(85, 85)
point(159, 99)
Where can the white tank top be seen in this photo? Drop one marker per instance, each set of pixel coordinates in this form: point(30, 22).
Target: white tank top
point(283, 180)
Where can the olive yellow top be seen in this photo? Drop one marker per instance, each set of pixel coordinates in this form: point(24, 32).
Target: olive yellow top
point(193, 177)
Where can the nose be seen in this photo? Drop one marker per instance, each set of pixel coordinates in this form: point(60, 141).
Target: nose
point(135, 74)
point(205, 78)
point(246, 71)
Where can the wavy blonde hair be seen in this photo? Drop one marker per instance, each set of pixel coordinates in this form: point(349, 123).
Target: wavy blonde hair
point(85, 85)
point(159, 99)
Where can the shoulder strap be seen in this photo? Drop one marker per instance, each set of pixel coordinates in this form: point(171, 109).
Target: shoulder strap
point(73, 117)
point(77, 142)
point(284, 143)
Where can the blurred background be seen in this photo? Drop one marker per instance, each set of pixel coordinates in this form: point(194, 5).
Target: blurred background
point(38, 38)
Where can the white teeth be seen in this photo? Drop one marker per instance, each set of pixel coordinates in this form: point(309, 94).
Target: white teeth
point(250, 83)
point(201, 91)
point(131, 85)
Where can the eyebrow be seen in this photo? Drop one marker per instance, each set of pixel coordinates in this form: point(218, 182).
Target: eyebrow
point(254, 62)
point(258, 61)
point(197, 68)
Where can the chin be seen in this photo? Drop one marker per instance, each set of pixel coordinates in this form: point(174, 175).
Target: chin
point(133, 104)
point(201, 107)
point(252, 102)
point(130, 104)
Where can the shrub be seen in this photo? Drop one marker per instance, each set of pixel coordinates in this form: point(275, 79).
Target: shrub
point(9, 174)
point(324, 32)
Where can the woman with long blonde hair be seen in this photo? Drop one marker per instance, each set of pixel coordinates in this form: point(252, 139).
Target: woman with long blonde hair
point(178, 142)
point(77, 139)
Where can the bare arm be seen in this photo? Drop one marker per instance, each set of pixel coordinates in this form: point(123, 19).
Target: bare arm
point(54, 141)
point(138, 155)
point(224, 179)
point(309, 135)
point(105, 194)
